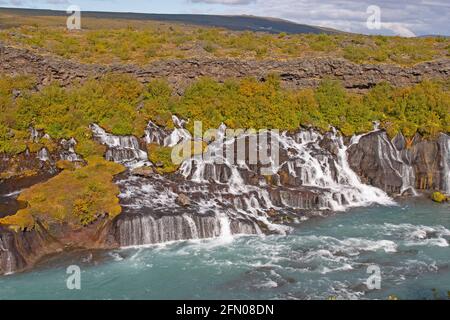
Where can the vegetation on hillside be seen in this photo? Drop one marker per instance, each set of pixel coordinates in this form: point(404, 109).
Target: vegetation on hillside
point(140, 42)
point(123, 106)
point(75, 196)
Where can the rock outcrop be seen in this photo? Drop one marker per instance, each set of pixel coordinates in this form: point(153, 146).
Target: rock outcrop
point(397, 166)
point(295, 73)
point(21, 249)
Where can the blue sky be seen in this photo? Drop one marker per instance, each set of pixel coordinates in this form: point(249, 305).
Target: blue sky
point(404, 17)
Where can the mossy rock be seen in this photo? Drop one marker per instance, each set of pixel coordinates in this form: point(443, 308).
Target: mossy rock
point(439, 197)
point(77, 197)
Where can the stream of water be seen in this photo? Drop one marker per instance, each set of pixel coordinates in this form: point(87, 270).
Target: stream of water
point(320, 259)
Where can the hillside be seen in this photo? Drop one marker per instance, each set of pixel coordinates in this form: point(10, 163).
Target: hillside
point(129, 39)
point(237, 23)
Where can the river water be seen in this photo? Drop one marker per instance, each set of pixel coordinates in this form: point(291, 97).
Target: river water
point(322, 258)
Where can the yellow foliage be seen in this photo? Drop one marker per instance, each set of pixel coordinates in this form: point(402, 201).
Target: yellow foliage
point(74, 197)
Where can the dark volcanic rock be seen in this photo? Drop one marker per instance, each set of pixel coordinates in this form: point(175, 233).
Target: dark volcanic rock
point(396, 165)
point(295, 73)
point(21, 249)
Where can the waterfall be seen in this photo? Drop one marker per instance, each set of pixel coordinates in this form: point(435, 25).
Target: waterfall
point(121, 149)
point(225, 228)
point(7, 259)
point(444, 142)
point(68, 151)
point(35, 135)
point(155, 134)
point(148, 229)
point(43, 155)
point(192, 226)
point(390, 157)
point(365, 194)
point(230, 194)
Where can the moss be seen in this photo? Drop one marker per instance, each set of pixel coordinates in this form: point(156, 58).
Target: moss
point(76, 197)
point(68, 112)
point(439, 197)
point(110, 41)
point(66, 165)
point(16, 173)
point(162, 158)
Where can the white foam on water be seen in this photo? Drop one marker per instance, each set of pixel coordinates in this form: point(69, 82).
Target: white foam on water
point(225, 230)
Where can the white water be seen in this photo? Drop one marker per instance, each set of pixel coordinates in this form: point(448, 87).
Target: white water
point(386, 152)
point(307, 160)
point(69, 153)
point(43, 155)
point(8, 261)
point(343, 191)
point(445, 149)
point(121, 149)
point(215, 183)
point(155, 134)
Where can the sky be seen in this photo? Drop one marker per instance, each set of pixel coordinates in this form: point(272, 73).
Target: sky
point(402, 17)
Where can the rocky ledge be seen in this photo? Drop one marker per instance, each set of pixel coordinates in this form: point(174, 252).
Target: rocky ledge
point(295, 73)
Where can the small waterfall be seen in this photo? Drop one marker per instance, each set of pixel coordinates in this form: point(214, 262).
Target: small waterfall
point(155, 134)
point(397, 161)
point(192, 226)
point(43, 155)
point(68, 151)
point(148, 229)
point(121, 149)
point(7, 259)
point(35, 135)
point(225, 228)
point(444, 142)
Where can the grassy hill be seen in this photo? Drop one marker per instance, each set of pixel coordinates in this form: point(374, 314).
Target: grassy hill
point(236, 23)
point(139, 39)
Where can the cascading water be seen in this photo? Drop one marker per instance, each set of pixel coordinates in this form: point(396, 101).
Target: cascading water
point(229, 194)
point(397, 161)
point(155, 134)
point(444, 142)
point(43, 155)
point(121, 149)
point(7, 259)
point(68, 151)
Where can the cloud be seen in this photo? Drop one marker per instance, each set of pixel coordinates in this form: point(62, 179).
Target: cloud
point(398, 29)
point(402, 17)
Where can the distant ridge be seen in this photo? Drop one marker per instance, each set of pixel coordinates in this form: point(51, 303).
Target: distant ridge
point(236, 23)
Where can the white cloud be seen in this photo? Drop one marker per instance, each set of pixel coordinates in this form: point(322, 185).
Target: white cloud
point(402, 17)
point(398, 29)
